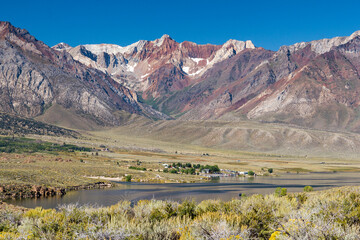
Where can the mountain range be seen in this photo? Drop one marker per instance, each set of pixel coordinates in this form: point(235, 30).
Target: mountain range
point(310, 84)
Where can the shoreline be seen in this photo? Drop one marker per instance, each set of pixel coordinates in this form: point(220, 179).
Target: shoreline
point(18, 191)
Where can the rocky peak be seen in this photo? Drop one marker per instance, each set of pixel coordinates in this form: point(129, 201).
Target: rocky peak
point(4, 26)
point(165, 38)
point(320, 46)
point(61, 46)
point(238, 45)
point(23, 39)
point(231, 48)
point(9, 31)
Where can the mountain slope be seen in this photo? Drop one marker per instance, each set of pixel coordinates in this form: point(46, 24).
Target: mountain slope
point(34, 76)
point(322, 93)
point(313, 84)
point(155, 67)
point(11, 124)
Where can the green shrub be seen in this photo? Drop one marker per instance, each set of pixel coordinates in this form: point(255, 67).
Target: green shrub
point(173, 171)
point(251, 173)
point(301, 197)
point(187, 208)
point(137, 168)
point(156, 215)
point(308, 189)
point(270, 170)
point(128, 178)
point(170, 210)
point(280, 192)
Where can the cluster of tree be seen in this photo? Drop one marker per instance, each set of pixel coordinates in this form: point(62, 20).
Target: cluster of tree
point(180, 165)
point(212, 169)
point(188, 168)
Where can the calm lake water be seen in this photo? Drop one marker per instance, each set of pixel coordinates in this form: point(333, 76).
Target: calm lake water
point(223, 188)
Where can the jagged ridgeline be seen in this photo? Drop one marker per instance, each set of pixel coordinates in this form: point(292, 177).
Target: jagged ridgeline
point(10, 124)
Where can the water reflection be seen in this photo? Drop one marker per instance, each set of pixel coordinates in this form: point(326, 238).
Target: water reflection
point(221, 188)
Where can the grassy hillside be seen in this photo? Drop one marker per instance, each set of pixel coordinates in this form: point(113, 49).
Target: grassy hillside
point(60, 116)
point(11, 124)
point(243, 136)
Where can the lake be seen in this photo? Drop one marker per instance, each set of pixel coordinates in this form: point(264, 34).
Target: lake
point(223, 188)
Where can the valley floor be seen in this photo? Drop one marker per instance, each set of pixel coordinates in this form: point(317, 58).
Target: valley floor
point(113, 154)
point(63, 162)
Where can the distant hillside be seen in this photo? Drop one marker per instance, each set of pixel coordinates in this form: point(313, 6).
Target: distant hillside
point(10, 124)
point(245, 136)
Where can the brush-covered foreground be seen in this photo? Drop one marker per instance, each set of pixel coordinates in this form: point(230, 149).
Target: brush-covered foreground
point(331, 214)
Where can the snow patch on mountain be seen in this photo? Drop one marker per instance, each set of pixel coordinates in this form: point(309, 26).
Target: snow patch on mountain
point(186, 69)
point(61, 46)
point(114, 49)
point(197, 60)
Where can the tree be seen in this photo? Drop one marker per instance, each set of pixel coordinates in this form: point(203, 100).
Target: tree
point(308, 189)
point(270, 170)
point(128, 178)
point(251, 173)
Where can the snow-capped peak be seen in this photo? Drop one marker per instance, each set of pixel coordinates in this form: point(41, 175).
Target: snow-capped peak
point(61, 46)
point(113, 48)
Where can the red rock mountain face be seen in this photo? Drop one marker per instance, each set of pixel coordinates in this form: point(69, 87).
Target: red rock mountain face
point(34, 77)
point(321, 92)
point(155, 68)
point(313, 84)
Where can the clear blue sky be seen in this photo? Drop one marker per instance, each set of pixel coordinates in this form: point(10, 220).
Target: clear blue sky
point(268, 24)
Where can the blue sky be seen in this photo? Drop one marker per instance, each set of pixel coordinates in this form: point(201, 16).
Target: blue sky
point(268, 24)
